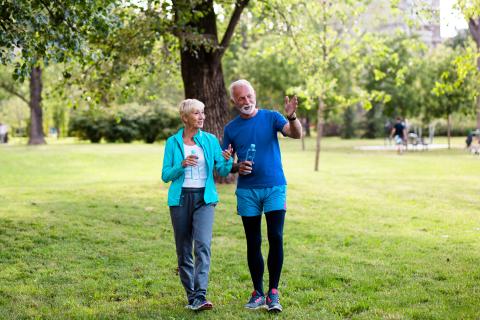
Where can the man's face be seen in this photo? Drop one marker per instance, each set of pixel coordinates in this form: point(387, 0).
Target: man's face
point(244, 99)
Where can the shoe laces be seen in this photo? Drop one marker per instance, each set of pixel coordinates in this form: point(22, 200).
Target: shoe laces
point(273, 296)
point(256, 296)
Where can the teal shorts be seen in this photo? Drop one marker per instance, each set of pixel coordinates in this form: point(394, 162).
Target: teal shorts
point(252, 202)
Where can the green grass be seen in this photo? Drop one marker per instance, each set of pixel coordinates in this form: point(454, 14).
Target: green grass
point(85, 233)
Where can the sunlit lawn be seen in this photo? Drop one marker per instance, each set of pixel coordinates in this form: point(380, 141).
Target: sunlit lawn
point(85, 233)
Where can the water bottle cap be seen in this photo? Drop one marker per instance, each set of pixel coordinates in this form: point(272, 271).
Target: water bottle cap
point(252, 145)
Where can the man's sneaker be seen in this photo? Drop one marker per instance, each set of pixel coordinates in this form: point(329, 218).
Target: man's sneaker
point(273, 301)
point(257, 301)
point(200, 304)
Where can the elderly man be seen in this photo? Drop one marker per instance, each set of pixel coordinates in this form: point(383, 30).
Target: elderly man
point(261, 185)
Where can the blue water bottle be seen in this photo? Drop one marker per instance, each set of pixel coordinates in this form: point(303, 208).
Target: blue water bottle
point(251, 153)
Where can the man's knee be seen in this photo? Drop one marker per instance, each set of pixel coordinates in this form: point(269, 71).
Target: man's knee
point(275, 226)
point(275, 236)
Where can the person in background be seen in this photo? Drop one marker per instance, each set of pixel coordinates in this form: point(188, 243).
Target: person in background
point(190, 158)
point(3, 133)
point(399, 134)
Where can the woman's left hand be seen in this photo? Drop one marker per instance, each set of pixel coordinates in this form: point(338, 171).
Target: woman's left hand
point(227, 153)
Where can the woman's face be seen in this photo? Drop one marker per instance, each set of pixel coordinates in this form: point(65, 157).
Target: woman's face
point(195, 119)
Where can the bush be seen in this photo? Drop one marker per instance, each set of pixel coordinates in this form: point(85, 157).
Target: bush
point(156, 124)
point(457, 129)
point(130, 123)
point(121, 126)
point(87, 126)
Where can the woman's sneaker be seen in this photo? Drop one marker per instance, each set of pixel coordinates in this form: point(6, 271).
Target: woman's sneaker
point(189, 305)
point(200, 304)
point(257, 301)
point(273, 301)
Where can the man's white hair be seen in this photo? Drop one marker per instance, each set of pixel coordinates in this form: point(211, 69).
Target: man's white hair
point(239, 83)
point(188, 106)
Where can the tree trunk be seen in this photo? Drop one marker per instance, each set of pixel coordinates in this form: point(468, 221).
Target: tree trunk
point(303, 121)
point(474, 27)
point(449, 128)
point(321, 107)
point(303, 142)
point(478, 112)
point(201, 57)
point(36, 115)
point(201, 60)
point(307, 126)
point(202, 76)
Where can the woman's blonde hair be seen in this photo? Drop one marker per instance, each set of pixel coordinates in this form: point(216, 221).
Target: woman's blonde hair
point(187, 106)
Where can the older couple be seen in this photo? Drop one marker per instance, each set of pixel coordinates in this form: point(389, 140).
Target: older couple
point(191, 156)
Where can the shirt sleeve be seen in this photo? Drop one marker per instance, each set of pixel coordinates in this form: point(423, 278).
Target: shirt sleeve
point(279, 121)
point(170, 169)
point(226, 139)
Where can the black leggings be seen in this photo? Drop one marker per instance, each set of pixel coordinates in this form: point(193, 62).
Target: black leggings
point(253, 233)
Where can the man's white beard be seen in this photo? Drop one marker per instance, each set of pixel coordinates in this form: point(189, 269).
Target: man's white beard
point(247, 109)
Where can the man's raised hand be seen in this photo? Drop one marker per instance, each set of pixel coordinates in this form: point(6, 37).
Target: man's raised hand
point(290, 105)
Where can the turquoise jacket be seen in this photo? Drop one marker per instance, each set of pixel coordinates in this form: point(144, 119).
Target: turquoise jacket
point(173, 171)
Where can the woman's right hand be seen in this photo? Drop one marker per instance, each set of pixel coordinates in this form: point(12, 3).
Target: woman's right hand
point(227, 153)
point(190, 160)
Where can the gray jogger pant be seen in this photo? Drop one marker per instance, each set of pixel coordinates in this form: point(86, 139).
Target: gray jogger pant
point(192, 224)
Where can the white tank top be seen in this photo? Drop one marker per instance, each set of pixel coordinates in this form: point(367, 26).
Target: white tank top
point(195, 177)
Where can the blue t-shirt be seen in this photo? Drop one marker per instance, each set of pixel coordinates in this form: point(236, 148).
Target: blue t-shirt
point(260, 130)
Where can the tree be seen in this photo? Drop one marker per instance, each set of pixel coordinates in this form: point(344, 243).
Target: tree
point(184, 25)
point(471, 11)
point(201, 56)
point(453, 94)
point(35, 33)
point(326, 40)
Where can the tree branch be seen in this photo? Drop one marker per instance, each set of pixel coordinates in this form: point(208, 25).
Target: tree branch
point(239, 6)
point(289, 30)
point(474, 30)
point(12, 91)
point(52, 15)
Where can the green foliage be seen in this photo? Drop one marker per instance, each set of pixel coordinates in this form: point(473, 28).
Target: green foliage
point(156, 123)
point(392, 69)
point(121, 128)
point(36, 32)
point(88, 125)
point(375, 123)
point(455, 86)
point(348, 131)
point(124, 125)
point(265, 61)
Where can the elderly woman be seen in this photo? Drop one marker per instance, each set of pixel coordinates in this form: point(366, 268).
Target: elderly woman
point(190, 157)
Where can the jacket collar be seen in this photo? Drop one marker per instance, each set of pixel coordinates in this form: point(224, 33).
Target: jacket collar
point(197, 137)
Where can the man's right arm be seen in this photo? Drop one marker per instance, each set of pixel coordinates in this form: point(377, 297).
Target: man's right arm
point(235, 168)
point(243, 168)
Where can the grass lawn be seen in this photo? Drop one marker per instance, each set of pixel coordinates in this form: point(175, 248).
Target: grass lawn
point(85, 233)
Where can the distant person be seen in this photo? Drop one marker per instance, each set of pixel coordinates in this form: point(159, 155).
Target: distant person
point(3, 133)
point(399, 134)
point(191, 155)
point(469, 140)
point(475, 146)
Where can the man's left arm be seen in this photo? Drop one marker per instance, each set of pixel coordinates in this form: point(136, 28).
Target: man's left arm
point(293, 128)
